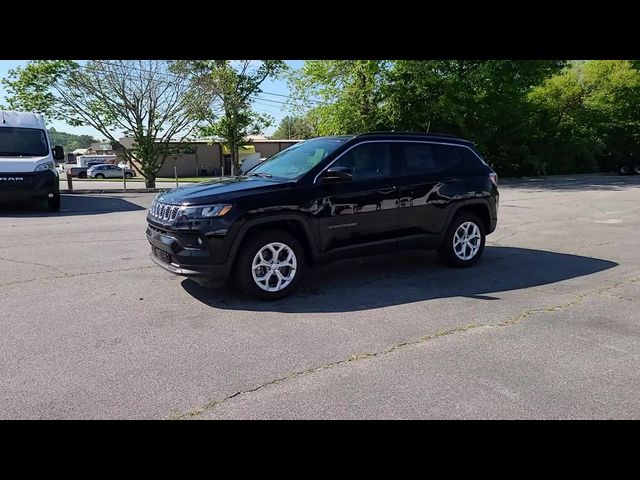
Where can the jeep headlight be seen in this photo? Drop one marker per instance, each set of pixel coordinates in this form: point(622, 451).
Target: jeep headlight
point(205, 211)
point(44, 166)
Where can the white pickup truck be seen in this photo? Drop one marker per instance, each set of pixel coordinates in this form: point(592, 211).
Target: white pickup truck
point(27, 168)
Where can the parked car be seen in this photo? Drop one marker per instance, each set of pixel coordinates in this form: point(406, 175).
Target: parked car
point(325, 199)
point(109, 171)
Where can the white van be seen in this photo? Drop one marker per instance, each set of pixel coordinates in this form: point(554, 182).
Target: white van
point(89, 160)
point(27, 169)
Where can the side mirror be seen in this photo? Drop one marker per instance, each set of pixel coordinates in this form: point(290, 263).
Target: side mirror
point(336, 174)
point(58, 153)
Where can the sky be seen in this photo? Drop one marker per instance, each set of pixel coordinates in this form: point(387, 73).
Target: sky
point(269, 103)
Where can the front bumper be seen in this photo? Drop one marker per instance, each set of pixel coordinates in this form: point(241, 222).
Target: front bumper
point(169, 252)
point(28, 186)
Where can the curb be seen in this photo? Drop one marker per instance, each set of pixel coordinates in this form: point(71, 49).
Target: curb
point(113, 190)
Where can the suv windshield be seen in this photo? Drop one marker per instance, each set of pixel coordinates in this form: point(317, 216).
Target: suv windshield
point(298, 159)
point(23, 142)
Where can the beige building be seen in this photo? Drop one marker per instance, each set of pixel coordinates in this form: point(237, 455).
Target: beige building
point(205, 157)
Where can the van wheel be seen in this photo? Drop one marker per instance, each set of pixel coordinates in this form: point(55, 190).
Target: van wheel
point(464, 242)
point(54, 203)
point(270, 265)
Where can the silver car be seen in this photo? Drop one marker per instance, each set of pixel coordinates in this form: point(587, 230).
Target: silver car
point(109, 171)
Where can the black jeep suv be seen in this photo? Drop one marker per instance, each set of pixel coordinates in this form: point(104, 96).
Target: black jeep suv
point(325, 199)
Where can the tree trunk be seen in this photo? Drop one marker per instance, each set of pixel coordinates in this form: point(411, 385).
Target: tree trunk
point(150, 181)
point(236, 161)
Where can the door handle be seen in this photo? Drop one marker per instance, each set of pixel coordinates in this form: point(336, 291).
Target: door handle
point(449, 180)
point(386, 190)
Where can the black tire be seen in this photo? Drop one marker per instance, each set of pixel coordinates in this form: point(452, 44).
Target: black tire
point(100, 176)
point(636, 169)
point(82, 175)
point(127, 176)
point(53, 204)
point(447, 252)
point(623, 170)
point(243, 275)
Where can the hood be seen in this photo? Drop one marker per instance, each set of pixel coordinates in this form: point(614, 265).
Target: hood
point(21, 164)
point(216, 191)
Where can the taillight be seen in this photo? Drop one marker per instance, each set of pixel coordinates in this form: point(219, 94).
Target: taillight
point(494, 178)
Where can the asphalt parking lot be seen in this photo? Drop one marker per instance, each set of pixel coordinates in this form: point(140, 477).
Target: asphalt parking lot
point(546, 325)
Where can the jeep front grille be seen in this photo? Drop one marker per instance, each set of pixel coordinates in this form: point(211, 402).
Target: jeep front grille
point(164, 212)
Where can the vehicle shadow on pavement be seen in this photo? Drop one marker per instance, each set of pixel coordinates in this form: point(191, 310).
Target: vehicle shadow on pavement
point(72, 205)
point(410, 276)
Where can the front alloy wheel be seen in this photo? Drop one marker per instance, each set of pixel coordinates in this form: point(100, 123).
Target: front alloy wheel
point(270, 264)
point(274, 267)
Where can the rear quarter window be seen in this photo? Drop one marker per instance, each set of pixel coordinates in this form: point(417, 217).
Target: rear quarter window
point(471, 159)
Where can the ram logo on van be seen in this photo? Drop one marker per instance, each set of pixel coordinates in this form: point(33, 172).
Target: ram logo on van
point(11, 179)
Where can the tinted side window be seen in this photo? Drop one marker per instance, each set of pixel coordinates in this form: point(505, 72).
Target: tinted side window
point(469, 157)
point(449, 156)
point(427, 157)
point(369, 160)
point(419, 158)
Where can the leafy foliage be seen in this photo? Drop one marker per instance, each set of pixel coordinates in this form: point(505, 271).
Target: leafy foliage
point(526, 116)
point(231, 86)
point(69, 141)
point(141, 99)
point(294, 127)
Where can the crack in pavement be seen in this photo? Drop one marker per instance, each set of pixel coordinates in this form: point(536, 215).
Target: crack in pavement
point(32, 263)
point(7, 246)
point(397, 346)
point(73, 275)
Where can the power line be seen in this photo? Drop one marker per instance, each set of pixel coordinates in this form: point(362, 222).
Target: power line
point(320, 102)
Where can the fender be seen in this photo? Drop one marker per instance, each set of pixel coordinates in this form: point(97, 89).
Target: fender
point(277, 217)
point(465, 203)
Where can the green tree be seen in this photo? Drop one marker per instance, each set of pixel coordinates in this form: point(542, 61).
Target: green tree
point(587, 116)
point(483, 100)
point(141, 99)
point(69, 141)
point(344, 94)
point(232, 84)
point(294, 127)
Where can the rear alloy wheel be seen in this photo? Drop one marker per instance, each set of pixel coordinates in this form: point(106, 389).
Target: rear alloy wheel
point(270, 266)
point(464, 242)
point(100, 176)
point(127, 176)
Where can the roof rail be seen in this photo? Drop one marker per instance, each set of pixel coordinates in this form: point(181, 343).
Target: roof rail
point(402, 132)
